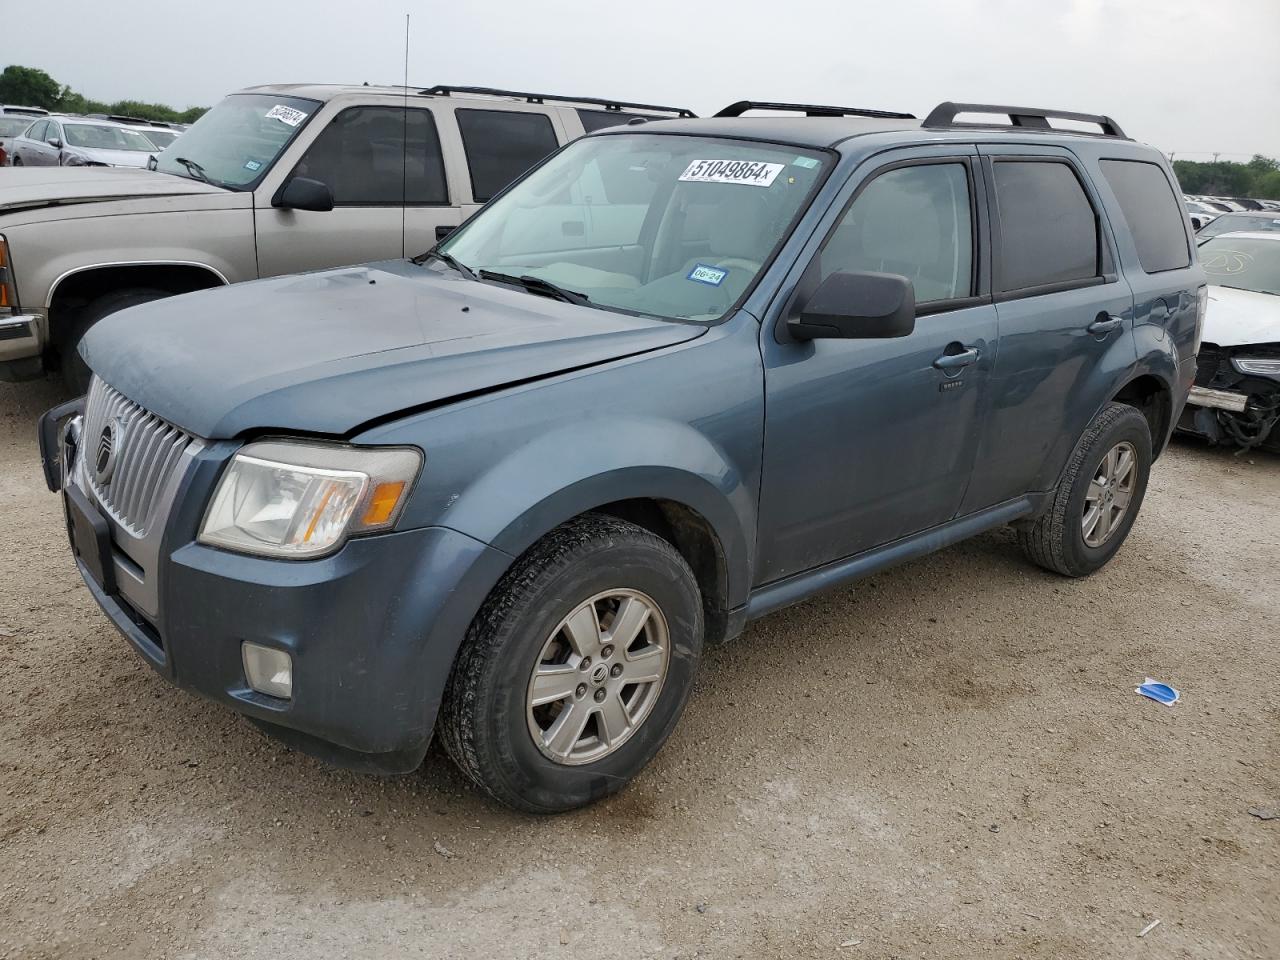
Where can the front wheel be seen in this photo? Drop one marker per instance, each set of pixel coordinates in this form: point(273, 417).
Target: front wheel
point(75, 372)
point(1097, 499)
point(577, 667)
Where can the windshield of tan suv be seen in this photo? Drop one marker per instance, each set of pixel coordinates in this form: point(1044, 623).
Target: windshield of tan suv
point(670, 226)
point(235, 143)
point(1245, 263)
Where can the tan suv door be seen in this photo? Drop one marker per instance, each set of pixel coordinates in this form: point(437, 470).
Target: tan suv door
point(361, 157)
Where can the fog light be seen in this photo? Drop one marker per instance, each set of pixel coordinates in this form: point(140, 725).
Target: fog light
point(268, 670)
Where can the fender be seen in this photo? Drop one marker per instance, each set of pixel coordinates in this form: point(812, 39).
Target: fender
point(1158, 358)
point(1102, 379)
point(590, 463)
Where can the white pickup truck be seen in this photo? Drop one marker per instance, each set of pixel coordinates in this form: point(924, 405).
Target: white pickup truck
point(274, 179)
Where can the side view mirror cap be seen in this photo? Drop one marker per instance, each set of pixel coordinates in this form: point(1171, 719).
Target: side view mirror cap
point(302, 193)
point(55, 143)
point(857, 306)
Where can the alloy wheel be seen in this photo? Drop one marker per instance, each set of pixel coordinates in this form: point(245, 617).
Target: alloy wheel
point(1107, 500)
point(598, 676)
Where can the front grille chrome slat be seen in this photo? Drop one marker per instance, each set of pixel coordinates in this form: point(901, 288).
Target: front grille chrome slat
point(147, 451)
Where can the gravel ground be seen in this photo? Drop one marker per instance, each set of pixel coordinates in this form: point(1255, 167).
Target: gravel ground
point(946, 761)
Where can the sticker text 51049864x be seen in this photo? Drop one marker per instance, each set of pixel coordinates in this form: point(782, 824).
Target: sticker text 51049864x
point(286, 115)
point(752, 173)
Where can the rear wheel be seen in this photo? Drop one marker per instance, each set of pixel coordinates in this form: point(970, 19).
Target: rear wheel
point(75, 372)
point(1097, 499)
point(17, 160)
point(576, 668)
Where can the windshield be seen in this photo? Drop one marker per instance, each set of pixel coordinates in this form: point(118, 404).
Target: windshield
point(1245, 263)
point(237, 141)
point(12, 126)
point(95, 136)
point(670, 226)
point(161, 138)
point(1268, 223)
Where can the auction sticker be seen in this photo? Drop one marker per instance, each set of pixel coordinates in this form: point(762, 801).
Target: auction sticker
point(753, 173)
point(703, 273)
point(286, 115)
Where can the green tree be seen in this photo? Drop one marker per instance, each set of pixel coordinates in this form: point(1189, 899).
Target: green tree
point(29, 87)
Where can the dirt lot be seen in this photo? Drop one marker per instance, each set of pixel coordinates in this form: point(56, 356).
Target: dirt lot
point(947, 761)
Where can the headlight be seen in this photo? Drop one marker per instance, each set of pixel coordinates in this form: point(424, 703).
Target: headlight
point(300, 500)
point(1258, 366)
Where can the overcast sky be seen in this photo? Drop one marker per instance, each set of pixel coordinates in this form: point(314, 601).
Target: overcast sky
point(1185, 75)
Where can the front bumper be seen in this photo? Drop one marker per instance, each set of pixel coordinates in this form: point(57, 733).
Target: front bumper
point(372, 630)
point(1227, 406)
point(20, 347)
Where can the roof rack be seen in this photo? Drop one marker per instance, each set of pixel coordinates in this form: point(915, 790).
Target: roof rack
point(944, 115)
point(810, 110)
point(445, 90)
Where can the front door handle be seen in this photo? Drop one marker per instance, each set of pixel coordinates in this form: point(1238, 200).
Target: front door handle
point(954, 361)
point(1104, 325)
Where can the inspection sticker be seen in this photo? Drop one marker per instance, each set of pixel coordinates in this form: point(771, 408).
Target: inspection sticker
point(286, 115)
point(750, 172)
point(252, 165)
point(712, 276)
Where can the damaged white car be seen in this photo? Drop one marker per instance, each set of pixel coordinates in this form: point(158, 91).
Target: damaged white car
point(1236, 397)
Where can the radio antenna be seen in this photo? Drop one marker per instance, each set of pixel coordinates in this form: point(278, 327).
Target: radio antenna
point(404, 145)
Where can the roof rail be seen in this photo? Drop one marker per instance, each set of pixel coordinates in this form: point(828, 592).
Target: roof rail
point(810, 110)
point(445, 90)
point(944, 115)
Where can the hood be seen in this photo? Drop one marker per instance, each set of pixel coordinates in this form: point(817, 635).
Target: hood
point(23, 188)
point(328, 352)
point(1237, 317)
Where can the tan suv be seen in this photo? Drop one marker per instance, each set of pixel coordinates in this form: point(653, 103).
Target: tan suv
point(274, 179)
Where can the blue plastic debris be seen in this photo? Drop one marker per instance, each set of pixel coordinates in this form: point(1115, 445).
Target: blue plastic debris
point(1159, 692)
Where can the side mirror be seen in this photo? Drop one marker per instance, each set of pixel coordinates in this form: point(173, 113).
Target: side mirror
point(301, 193)
point(55, 143)
point(857, 306)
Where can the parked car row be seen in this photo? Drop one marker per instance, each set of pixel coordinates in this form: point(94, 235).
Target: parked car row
point(1204, 210)
point(683, 373)
point(32, 137)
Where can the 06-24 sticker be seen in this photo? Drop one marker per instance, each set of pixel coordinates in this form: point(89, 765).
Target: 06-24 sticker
point(753, 173)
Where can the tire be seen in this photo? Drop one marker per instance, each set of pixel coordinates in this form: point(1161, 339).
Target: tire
point(17, 160)
point(487, 723)
point(75, 372)
point(1057, 540)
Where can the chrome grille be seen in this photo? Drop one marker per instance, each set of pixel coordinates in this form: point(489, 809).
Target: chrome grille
point(146, 451)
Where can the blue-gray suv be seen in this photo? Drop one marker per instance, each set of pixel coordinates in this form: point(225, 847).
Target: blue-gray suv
point(682, 374)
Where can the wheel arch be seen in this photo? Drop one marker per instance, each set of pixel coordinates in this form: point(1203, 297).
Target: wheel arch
point(77, 287)
point(1152, 396)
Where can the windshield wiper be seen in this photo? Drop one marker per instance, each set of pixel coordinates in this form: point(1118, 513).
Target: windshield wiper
point(458, 265)
point(199, 172)
point(538, 285)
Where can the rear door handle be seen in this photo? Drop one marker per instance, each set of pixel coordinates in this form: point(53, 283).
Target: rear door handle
point(953, 361)
point(443, 231)
point(1104, 325)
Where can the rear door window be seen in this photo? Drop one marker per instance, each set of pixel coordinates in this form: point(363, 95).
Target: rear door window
point(1151, 210)
point(1048, 228)
point(37, 130)
point(362, 157)
point(501, 145)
